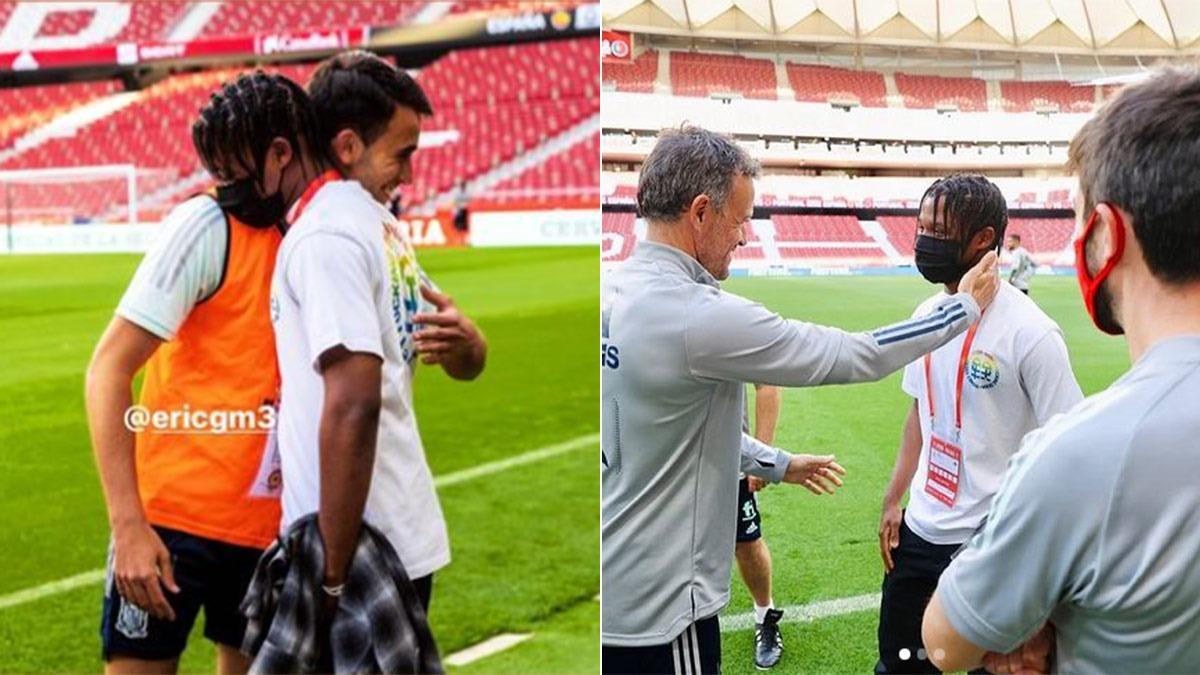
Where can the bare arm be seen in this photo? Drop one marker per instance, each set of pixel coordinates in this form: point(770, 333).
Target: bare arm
point(948, 650)
point(766, 412)
point(907, 458)
point(140, 557)
point(348, 430)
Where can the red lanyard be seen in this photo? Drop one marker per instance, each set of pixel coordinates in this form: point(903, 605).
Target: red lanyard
point(958, 384)
point(309, 192)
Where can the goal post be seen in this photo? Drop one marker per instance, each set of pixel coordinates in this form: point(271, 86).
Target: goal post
point(104, 194)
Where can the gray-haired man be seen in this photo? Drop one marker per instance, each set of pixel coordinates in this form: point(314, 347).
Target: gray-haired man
point(675, 353)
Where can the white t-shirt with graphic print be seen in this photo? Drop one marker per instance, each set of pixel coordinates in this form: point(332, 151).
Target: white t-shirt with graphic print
point(1018, 376)
point(346, 275)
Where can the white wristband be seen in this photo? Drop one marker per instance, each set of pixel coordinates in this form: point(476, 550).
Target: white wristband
point(333, 591)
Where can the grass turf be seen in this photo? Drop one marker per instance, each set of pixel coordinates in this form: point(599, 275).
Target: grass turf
point(525, 541)
point(825, 548)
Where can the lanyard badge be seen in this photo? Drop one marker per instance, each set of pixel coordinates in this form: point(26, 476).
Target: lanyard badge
point(944, 467)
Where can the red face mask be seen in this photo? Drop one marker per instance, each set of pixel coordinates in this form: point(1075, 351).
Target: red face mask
point(1096, 299)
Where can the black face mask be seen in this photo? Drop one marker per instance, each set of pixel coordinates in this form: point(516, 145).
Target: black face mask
point(939, 260)
point(242, 202)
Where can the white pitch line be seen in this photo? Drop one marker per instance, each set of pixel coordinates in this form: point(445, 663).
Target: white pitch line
point(509, 462)
point(492, 645)
point(805, 613)
point(52, 588)
point(96, 576)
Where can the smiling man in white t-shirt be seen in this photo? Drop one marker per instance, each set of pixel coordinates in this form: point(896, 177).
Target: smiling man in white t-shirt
point(974, 399)
point(351, 310)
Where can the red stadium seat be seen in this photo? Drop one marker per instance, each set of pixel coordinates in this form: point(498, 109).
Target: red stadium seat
point(1029, 96)
point(928, 91)
point(242, 17)
point(617, 236)
point(699, 74)
point(809, 228)
point(901, 233)
point(636, 77)
point(822, 83)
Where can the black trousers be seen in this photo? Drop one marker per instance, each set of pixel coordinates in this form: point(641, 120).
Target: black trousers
point(697, 651)
point(906, 592)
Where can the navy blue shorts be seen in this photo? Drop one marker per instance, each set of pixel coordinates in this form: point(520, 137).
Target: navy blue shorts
point(749, 524)
point(210, 574)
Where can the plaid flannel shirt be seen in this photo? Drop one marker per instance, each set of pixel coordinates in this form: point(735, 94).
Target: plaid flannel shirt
point(379, 625)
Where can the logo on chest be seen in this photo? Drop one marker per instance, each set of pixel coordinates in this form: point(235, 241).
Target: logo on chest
point(983, 370)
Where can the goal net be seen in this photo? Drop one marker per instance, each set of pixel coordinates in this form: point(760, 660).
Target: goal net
point(108, 194)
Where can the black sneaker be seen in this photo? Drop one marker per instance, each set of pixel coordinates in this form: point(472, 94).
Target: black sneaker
point(768, 644)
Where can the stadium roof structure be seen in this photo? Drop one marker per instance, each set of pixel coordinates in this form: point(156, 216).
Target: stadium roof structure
point(1167, 28)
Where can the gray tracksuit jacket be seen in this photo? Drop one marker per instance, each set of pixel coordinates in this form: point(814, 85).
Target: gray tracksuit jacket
point(675, 354)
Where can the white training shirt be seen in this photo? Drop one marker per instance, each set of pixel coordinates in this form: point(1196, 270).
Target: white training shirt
point(184, 265)
point(341, 280)
point(1018, 377)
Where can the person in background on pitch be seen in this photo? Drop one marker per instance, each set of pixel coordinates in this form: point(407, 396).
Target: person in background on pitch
point(1092, 541)
point(676, 353)
point(974, 398)
point(191, 512)
point(751, 552)
point(353, 312)
point(1022, 264)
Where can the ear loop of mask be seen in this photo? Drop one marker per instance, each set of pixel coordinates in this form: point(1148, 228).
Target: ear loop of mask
point(1089, 284)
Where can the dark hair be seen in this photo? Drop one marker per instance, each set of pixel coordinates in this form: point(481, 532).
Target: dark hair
point(360, 91)
point(1014, 235)
point(1141, 152)
point(237, 125)
point(970, 203)
point(685, 163)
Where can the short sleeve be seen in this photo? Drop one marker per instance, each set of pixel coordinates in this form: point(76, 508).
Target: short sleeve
point(1038, 547)
point(1047, 378)
point(912, 382)
point(332, 276)
point(184, 266)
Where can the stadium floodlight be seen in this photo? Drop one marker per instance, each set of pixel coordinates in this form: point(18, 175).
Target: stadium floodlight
point(76, 195)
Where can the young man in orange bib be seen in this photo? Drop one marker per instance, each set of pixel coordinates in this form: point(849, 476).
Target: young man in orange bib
point(191, 476)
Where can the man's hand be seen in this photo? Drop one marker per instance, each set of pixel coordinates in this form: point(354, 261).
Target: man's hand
point(982, 281)
point(817, 473)
point(142, 568)
point(755, 483)
point(889, 533)
point(1031, 658)
point(450, 339)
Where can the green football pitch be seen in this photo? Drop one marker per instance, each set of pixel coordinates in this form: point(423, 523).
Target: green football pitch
point(524, 536)
point(825, 551)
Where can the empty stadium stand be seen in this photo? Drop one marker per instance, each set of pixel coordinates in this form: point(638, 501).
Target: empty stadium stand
point(524, 96)
point(237, 18)
point(637, 76)
point(901, 233)
point(823, 240)
point(1031, 96)
point(618, 239)
point(700, 74)
point(821, 84)
point(570, 174)
point(1043, 235)
point(810, 228)
point(930, 91)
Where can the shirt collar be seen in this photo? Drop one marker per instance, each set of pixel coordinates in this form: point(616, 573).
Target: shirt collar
point(674, 259)
point(1178, 349)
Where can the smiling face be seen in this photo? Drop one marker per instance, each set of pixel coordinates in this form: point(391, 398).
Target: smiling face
point(386, 163)
point(720, 231)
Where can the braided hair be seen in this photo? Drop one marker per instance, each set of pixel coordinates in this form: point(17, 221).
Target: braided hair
point(970, 203)
point(237, 125)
